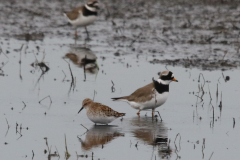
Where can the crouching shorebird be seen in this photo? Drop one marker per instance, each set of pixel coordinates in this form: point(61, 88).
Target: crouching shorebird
point(99, 113)
point(83, 16)
point(152, 95)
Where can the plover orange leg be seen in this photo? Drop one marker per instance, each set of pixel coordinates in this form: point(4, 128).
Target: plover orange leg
point(76, 32)
point(138, 113)
point(87, 31)
point(153, 110)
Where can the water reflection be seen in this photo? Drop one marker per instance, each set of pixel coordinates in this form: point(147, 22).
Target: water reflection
point(83, 57)
point(153, 132)
point(99, 136)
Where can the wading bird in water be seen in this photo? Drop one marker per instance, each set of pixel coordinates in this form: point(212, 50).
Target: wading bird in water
point(152, 95)
point(99, 113)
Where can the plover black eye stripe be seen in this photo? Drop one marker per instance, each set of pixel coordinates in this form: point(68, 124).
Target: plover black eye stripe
point(167, 77)
point(93, 4)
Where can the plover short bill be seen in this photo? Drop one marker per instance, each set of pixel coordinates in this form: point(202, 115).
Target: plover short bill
point(152, 95)
point(99, 113)
point(83, 16)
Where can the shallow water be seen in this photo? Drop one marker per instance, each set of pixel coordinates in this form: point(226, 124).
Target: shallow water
point(188, 129)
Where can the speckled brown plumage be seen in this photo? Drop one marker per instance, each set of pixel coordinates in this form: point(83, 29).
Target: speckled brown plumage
point(99, 113)
point(105, 110)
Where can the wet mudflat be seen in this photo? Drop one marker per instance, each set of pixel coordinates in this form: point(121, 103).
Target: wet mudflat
point(44, 77)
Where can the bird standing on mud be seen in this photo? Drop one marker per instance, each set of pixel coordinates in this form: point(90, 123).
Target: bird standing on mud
point(83, 16)
point(152, 95)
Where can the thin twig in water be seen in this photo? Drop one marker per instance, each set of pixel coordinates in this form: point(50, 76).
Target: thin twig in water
point(33, 154)
point(210, 103)
point(85, 127)
point(203, 79)
point(84, 68)
point(44, 54)
point(20, 62)
point(210, 94)
point(20, 135)
point(94, 94)
point(179, 142)
point(199, 98)
point(57, 152)
point(136, 145)
point(7, 123)
point(49, 150)
point(193, 115)
point(24, 105)
point(233, 122)
point(113, 88)
point(71, 72)
point(159, 115)
point(45, 98)
point(223, 77)
point(211, 155)
point(64, 76)
point(166, 67)
point(220, 105)
point(8, 127)
point(1, 51)
point(219, 79)
point(72, 82)
point(16, 127)
point(66, 153)
point(203, 147)
point(83, 133)
point(217, 94)
point(3, 64)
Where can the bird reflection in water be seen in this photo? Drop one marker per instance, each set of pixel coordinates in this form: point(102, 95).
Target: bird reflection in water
point(84, 58)
point(100, 135)
point(152, 132)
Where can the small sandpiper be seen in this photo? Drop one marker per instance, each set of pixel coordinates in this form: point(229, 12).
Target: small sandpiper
point(83, 16)
point(152, 95)
point(99, 113)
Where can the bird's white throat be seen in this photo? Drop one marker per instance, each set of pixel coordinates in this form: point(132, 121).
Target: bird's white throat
point(90, 8)
point(164, 81)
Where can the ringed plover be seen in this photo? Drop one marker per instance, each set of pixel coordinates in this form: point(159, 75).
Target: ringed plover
point(152, 95)
point(83, 16)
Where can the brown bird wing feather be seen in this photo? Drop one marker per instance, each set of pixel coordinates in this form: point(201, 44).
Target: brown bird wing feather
point(108, 111)
point(142, 94)
point(74, 13)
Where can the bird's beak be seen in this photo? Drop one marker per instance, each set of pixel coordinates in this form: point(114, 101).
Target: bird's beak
point(80, 109)
point(174, 79)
